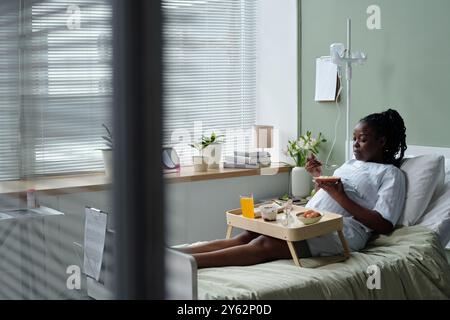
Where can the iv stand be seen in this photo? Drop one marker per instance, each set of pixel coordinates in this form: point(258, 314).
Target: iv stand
point(348, 75)
point(350, 57)
point(341, 56)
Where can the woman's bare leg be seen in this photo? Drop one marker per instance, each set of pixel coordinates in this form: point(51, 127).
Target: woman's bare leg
point(260, 249)
point(242, 238)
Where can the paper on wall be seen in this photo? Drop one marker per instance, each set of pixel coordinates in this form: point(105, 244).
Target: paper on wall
point(94, 242)
point(326, 79)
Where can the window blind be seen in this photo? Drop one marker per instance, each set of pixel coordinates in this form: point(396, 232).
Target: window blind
point(209, 58)
point(9, 90)
point(67, 85)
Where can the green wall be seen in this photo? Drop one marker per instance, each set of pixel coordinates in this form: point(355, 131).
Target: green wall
point(408, 66)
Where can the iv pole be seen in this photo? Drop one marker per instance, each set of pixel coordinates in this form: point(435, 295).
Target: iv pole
point(342, 56)
point(348, 76)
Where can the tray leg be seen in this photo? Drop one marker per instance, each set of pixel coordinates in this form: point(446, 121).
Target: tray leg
point(294, 254)
point(229, 229)
point(344, 244)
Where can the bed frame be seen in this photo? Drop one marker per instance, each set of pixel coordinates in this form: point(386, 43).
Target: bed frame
point(181, 268)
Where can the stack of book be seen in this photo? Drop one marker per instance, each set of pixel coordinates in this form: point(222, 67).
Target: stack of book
point(248, 160)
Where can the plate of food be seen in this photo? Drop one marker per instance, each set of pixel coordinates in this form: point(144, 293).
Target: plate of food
point(327, 179)
point(309, 216)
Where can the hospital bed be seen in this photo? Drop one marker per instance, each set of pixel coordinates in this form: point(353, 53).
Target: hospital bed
point(409, 263)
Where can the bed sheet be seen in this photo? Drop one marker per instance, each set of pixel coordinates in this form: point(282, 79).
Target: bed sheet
point(411, 262)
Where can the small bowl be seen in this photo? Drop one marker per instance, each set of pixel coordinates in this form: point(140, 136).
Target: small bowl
point(309, 220)
point(269, 212)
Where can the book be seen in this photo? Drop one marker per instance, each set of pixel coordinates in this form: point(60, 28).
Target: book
point(252, 154)
point(241, 165)
point(247, 160)
point(244, 165)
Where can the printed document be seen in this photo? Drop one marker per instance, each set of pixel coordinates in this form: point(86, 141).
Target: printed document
point(94, 242)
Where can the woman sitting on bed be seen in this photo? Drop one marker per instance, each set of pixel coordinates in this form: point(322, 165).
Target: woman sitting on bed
point(370, 196)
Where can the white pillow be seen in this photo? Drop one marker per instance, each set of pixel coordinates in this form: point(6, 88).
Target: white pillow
point(437, 215)
point(424, 174)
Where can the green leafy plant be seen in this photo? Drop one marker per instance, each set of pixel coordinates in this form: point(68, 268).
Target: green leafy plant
point(300, 149)
point(108, 138)
point(206, 141)
point(284, 197)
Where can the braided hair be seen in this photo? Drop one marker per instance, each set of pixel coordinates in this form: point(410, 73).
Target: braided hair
point(389, 124)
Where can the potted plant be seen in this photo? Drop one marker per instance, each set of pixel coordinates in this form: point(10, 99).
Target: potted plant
point(204, 147)
point(299, 150)
point(200, 161)
point(213, 150)
point(107, 152)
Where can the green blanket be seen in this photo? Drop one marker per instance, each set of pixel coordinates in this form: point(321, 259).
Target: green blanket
point(411, 262)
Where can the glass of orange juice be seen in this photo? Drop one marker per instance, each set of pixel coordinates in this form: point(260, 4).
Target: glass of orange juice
point(247, 206)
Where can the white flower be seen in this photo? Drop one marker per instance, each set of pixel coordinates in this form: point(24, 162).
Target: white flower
point(301, 144)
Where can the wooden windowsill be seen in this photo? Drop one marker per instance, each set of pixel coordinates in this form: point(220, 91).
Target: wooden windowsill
point(187, 174)
point(99, 181)
point(58, 184)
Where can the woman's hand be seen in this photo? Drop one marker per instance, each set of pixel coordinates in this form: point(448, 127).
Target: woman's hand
point(313, 166)
point(335, 190)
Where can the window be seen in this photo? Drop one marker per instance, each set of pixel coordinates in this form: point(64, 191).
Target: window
point(9, 90)
point(69, 51)
point(59, 92)
point(209, 72)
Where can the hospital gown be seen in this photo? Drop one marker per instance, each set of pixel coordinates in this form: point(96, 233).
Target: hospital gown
point(375, 186)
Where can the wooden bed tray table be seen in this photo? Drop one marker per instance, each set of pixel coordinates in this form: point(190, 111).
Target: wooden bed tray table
point(296, 231)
